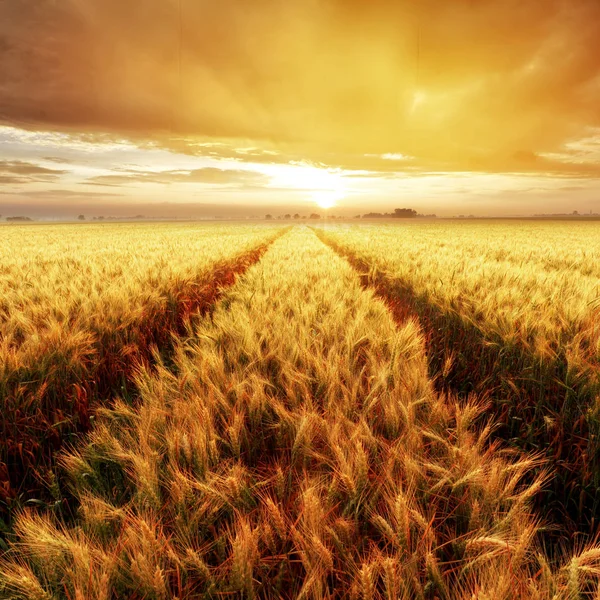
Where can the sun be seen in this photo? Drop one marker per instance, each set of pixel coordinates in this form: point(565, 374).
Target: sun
point(324, 187)
point(326, 199)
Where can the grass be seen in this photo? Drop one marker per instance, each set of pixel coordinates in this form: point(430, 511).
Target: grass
point(81, 307)
point(295, 447)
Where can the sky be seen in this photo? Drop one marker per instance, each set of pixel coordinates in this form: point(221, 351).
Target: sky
point(199, 107)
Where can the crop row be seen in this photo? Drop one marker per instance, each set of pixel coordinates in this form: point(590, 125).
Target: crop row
point(82, 308)
point(508, 314)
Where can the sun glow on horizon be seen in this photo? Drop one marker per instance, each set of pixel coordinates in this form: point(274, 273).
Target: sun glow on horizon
point(325, 187)
point(327, 199)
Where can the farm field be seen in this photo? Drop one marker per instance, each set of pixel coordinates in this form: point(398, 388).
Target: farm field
point(79, 307)
point(511, 312)
point(369, 411)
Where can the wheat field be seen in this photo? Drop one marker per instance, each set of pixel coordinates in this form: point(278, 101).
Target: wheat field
point(511, 313)
point(79, 307)
point(350, 412)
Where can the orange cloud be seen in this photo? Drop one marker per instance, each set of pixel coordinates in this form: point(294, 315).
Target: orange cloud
point(208, 175)
point(490, 85)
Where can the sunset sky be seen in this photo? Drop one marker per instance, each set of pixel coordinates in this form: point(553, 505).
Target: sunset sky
point(203, 107)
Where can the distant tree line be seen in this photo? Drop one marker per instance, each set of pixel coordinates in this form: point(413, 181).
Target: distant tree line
point(103, 218)
point(399, 213)
point(288, 216)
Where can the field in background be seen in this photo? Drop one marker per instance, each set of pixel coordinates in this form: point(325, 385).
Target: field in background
point(370, 411)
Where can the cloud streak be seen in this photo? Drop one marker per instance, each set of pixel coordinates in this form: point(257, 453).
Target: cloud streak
point(19, 172)
point(208, 176)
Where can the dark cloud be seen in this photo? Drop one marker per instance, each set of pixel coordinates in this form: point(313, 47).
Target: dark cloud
point(208, 175)
point(572, 188)
point(11, 180)
point(452, 84)
point(65, 194)
point(18, 172)
point(28, 169)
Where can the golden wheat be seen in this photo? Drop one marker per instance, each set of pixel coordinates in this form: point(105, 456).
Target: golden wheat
point(295, 449)
point(58, 281)
point(510, 311)
point(80, 306)
point(532, 281)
